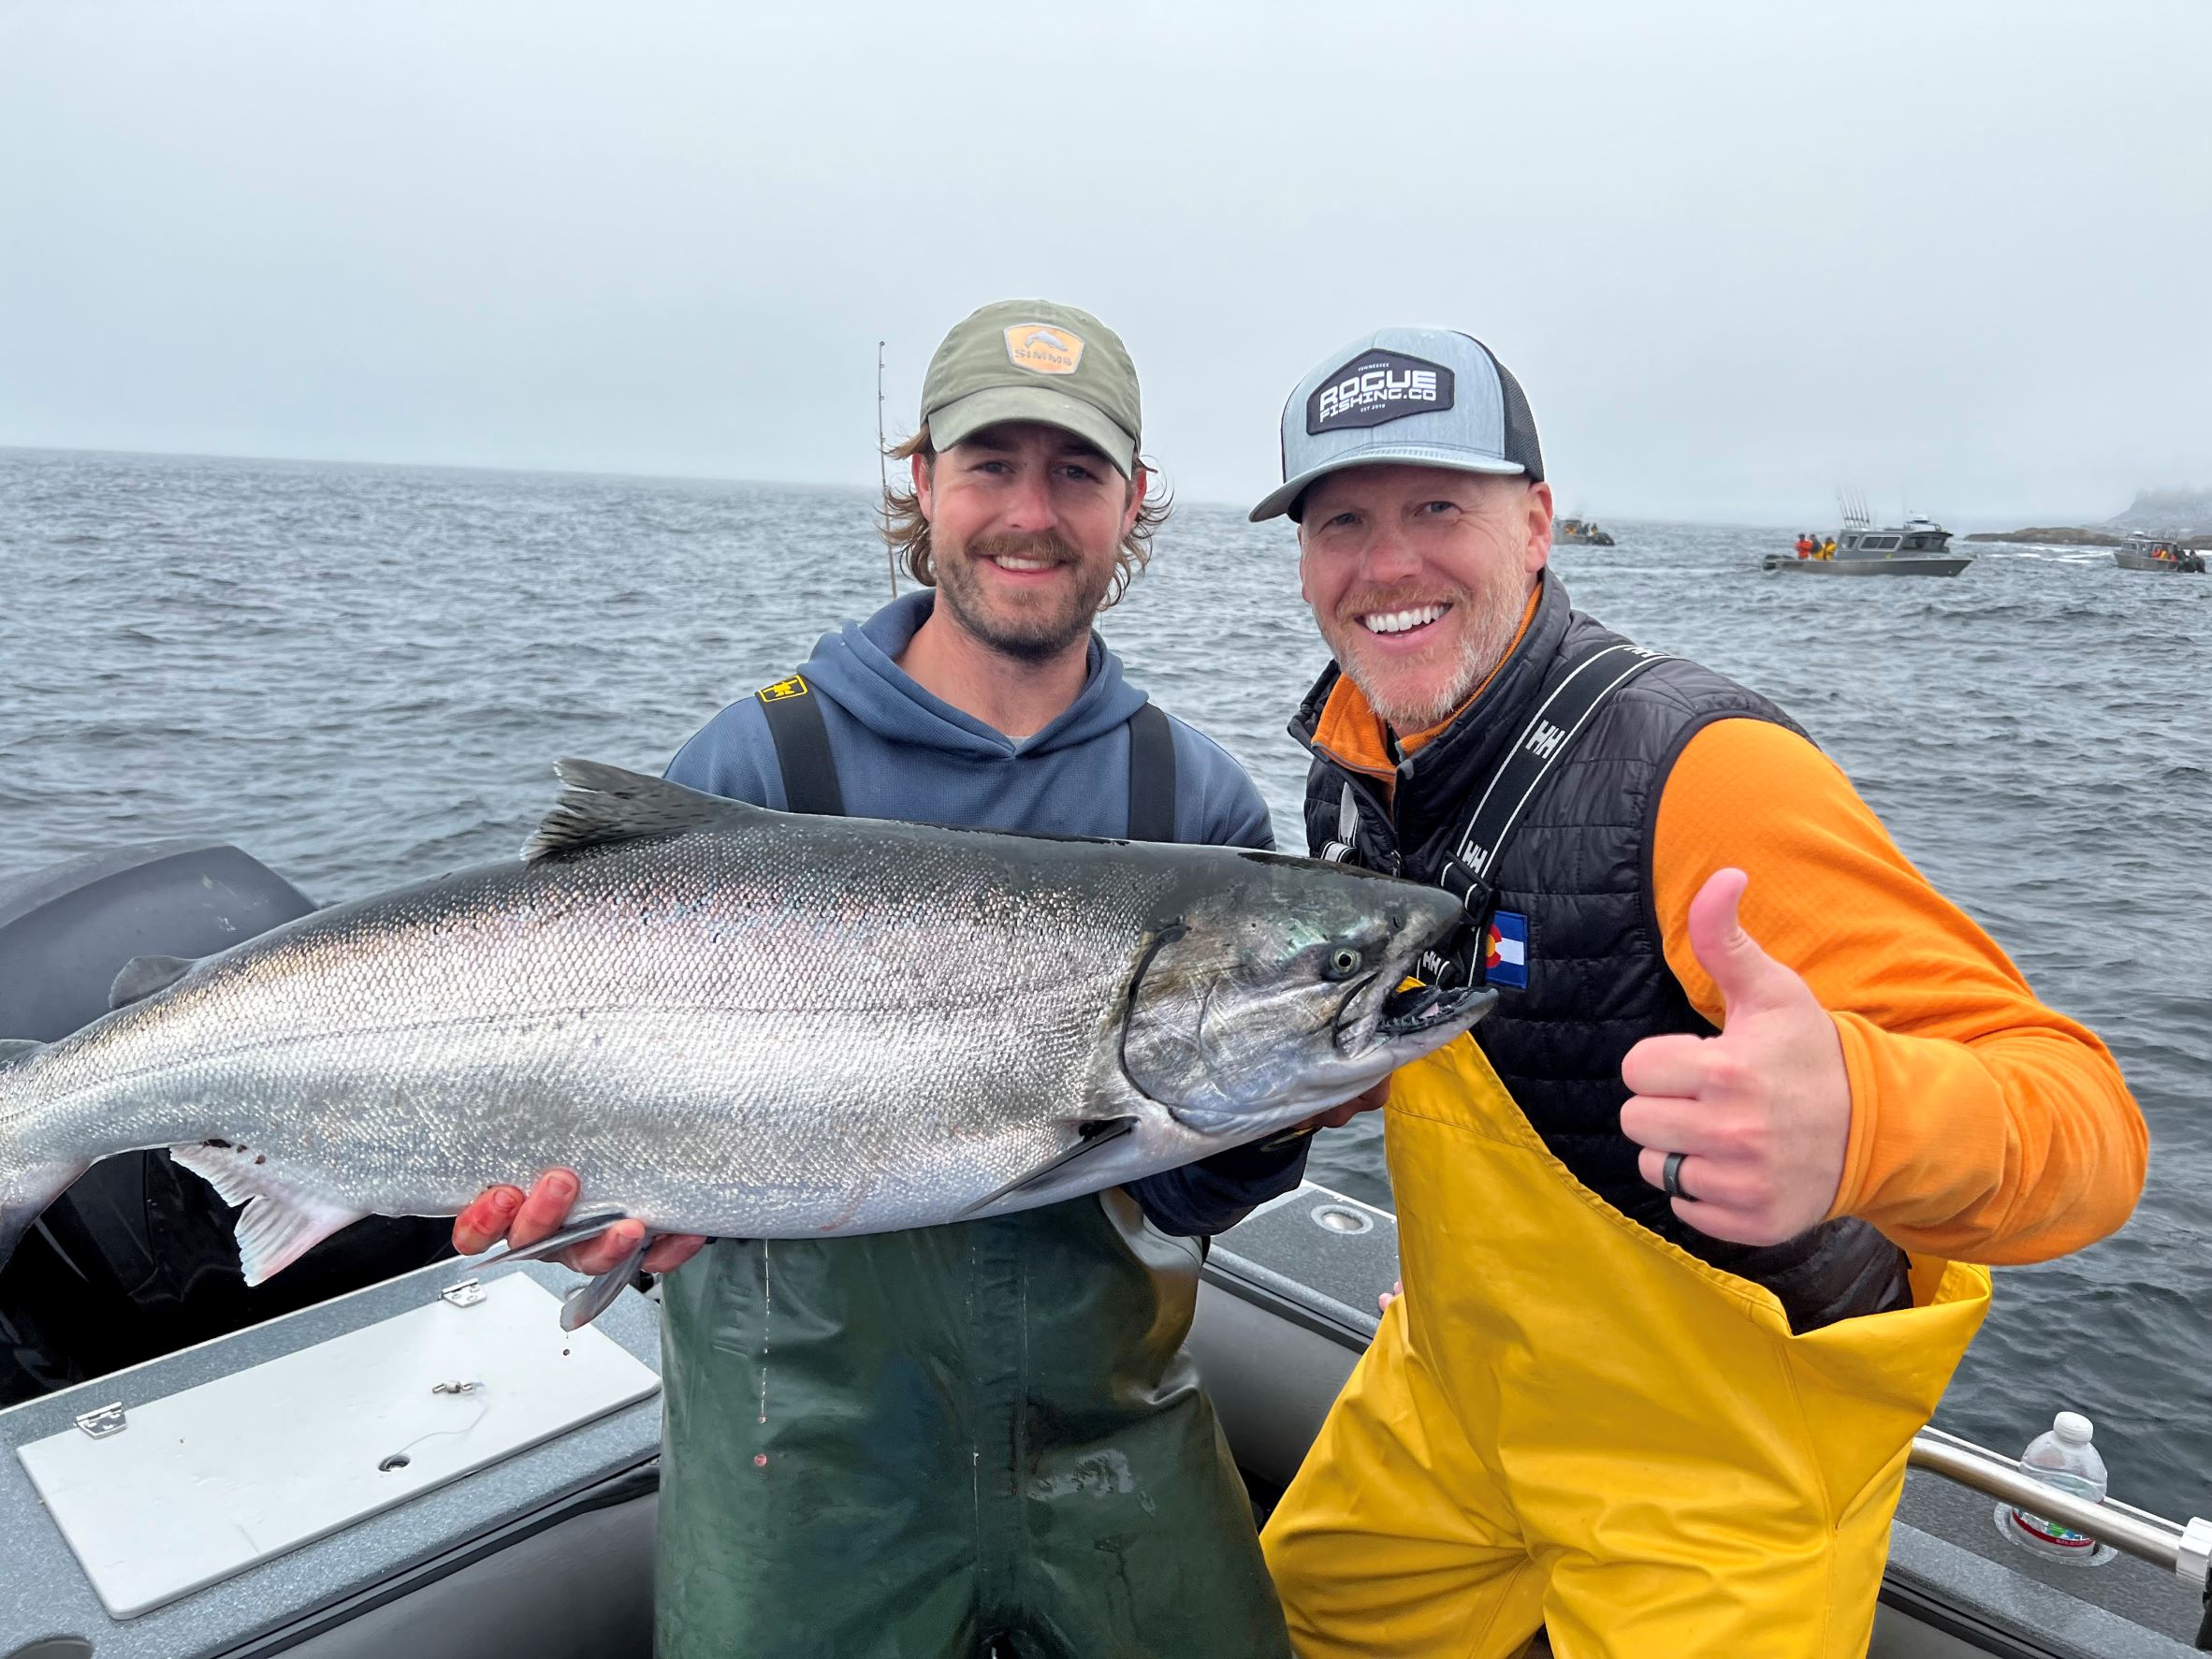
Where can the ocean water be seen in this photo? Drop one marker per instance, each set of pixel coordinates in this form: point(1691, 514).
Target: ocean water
point(362, 676)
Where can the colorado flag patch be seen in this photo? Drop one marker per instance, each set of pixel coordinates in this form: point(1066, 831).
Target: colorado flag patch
point(1505, 949)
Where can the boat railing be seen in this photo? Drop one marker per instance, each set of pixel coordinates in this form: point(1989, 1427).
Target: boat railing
point(2185, 1551)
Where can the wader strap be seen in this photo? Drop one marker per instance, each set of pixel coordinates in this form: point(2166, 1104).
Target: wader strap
point(802, 748)
point(1152, 775)
point(1550, 731)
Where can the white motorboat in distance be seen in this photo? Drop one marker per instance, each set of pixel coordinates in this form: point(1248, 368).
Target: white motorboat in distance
point(2166, 554)
point(1917, 548)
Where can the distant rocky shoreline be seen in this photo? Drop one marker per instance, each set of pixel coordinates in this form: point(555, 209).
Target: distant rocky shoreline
point(2062, 535)
point(2184, 513)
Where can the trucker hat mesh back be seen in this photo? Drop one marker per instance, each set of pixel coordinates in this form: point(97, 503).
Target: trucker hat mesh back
point(1520, 421)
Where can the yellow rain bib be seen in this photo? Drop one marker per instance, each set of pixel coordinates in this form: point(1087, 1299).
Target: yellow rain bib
point(1568, 1422)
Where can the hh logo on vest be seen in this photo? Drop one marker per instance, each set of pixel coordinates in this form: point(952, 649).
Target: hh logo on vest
point(794, 687)
point(1505, 949)
point(1043, 348)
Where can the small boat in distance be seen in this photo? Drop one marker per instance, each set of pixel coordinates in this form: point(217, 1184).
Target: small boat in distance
point(1583, 532)
point(2157, 553)
point(1917, 548)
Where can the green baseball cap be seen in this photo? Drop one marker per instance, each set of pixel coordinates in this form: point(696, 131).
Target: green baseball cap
point(1029, 359)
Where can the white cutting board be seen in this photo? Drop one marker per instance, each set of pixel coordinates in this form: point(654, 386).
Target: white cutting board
point(205, 1483)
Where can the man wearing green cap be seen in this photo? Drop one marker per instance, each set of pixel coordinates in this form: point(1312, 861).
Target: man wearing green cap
point(980, 1438)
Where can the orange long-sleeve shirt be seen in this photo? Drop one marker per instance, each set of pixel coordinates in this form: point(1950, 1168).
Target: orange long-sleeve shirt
point(1985, 1126)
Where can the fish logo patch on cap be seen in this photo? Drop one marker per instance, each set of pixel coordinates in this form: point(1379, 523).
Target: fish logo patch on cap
point(1044, 349)
point(1375, 387)
point(1505, 949)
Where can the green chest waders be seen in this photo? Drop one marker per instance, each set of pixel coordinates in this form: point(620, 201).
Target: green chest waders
point(908, 1444)
point(911, 1445)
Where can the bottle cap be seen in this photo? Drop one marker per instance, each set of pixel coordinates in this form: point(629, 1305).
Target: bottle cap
point(2071, 1426)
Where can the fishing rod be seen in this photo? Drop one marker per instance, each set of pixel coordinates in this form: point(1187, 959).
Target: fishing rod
point(884, 465)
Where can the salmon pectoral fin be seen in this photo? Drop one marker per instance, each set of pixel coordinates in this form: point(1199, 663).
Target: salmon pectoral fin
point(585, 1303)
point(1104, 1132)
point(576, 1232)
point(281, 1220)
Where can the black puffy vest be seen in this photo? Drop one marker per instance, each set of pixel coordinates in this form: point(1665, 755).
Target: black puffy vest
point(1578, 867)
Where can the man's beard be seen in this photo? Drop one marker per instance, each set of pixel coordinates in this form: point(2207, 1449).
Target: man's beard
point(1491, 619)
point(1034, 633)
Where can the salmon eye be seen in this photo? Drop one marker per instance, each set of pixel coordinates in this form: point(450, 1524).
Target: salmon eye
point(1344, 962)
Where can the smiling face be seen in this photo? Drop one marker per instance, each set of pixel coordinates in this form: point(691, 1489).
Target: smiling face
point(1418, 577)
point(1026, 523)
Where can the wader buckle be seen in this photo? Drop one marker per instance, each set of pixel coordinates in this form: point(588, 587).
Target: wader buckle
point(1458, 961)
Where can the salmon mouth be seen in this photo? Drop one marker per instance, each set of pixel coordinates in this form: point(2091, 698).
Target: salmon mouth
point(1371, 1018)
point(1415, 1008)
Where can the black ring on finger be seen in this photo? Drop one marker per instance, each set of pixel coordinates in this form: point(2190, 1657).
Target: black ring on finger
point(1670, 1175)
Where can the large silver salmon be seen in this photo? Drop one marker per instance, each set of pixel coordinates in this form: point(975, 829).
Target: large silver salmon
point(743, 1022)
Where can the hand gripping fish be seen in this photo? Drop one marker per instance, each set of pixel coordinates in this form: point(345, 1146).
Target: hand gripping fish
point(746, 1024)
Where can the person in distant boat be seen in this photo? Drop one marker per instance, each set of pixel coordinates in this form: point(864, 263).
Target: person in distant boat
point(1805, 543)
point(1687, 1222)
point(982, 1437)
point(1828, 547)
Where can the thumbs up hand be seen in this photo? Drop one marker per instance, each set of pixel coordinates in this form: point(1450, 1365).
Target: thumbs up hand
point(1762, 1112)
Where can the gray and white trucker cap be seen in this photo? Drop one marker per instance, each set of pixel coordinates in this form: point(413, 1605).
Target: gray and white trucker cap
point(1423, 397)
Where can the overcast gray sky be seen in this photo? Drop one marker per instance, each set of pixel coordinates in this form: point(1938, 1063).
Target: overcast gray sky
point(1956, 254)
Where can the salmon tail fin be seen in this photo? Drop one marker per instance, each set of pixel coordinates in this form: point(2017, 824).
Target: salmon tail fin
point(27, 1184)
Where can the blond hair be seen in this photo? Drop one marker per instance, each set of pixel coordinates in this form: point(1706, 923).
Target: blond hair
point(908, 533)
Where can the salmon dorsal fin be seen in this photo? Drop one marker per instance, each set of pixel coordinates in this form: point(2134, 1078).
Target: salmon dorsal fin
point(602, 805)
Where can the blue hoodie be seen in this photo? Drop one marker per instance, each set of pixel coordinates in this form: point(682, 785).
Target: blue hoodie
point(903, 753)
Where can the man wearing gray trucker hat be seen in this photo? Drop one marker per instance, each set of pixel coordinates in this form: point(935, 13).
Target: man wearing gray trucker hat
point(1662, 1349)
point(984, 1437)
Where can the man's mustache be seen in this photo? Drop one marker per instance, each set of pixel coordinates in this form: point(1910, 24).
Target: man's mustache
point(1402, 599)
point(1043, 544)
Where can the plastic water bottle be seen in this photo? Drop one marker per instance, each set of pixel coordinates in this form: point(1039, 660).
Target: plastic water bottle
point(2063, 1457)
